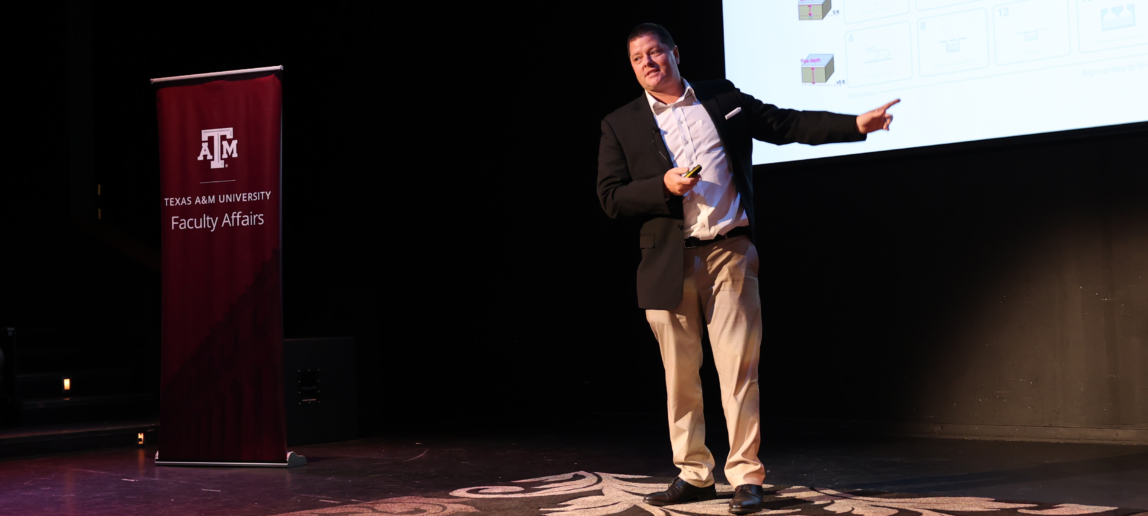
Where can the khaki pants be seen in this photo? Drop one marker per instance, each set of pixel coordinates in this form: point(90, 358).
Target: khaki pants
point(720, 290)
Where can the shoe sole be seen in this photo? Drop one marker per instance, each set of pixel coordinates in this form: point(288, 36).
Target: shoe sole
point(700, 497)
point(745, 511)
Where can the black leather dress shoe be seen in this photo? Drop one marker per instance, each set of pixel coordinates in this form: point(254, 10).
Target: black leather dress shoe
point(746, 499)
point(681, 492)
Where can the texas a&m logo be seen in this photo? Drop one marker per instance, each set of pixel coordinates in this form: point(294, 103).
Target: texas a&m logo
point(222, 148)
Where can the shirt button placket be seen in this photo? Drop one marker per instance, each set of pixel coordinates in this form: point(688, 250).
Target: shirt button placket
point(677, 112)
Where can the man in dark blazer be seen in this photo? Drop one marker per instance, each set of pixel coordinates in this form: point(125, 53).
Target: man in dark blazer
point(699, 265)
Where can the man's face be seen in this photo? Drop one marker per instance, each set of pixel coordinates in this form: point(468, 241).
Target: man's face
point(655, 65)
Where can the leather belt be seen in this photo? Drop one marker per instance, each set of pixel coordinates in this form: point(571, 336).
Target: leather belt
point(735, 232)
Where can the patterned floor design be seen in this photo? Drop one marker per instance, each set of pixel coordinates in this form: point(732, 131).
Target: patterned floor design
point(583, 493)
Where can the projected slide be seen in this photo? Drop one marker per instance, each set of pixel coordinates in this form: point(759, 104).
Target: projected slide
point(965, 70)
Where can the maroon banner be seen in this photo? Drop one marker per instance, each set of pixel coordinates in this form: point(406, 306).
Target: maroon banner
point(221, 391)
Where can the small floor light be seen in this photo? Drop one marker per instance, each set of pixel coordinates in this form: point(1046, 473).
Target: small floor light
point(67, 384)
point(140, 438)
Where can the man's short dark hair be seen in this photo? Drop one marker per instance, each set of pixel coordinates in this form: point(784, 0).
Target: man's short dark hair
point(646, 29)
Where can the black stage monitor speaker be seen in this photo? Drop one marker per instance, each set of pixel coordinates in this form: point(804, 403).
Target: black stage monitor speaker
point(319, 379)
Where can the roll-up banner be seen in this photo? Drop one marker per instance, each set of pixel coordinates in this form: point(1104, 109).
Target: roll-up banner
point(221, 392)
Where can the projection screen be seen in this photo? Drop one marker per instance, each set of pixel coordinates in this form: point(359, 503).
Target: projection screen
point(965, 70)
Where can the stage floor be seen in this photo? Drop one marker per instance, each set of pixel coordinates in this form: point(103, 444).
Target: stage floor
point(589, 470)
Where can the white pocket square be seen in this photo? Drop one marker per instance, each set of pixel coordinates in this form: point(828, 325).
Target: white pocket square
point(732, 113)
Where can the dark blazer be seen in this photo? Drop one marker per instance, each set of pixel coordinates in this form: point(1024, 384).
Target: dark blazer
point(632, 158)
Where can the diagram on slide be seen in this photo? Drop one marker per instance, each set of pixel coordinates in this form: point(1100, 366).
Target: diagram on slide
point(878, 55)
point(1105, 24)
point(817, 68)
point(1030, 30)
point(924, 5)
point(953, 42)
point(813, 9)
point(1118, 17)
point(864, 10)
point(952, 45)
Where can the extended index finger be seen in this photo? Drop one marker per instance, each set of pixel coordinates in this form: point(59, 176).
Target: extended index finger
point(889, 105)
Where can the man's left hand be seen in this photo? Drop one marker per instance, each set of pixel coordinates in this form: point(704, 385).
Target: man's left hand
point(875, 120)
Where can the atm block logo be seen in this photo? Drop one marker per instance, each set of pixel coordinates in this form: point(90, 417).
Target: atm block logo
point(222, 145)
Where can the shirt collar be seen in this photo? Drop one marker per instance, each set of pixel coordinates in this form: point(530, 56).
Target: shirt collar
point(658, 106)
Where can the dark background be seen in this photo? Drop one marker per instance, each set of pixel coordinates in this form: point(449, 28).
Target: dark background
point(439, 171)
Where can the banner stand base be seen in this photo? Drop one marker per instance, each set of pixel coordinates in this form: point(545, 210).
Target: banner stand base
point(294, 460)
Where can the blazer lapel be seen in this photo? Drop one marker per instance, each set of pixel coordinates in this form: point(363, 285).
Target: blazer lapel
point(714, 110)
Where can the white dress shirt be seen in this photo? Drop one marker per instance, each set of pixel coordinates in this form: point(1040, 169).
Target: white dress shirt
point(713, 207)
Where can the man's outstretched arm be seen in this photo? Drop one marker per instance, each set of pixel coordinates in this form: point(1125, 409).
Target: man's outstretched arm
point(781, 126)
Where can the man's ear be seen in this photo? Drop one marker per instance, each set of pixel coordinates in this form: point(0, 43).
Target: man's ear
point(677, 57)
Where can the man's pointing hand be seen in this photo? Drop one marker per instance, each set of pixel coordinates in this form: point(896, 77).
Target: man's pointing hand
point(876, 120)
